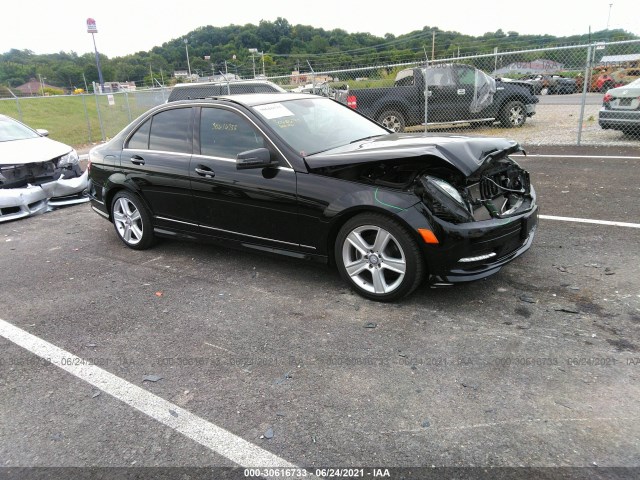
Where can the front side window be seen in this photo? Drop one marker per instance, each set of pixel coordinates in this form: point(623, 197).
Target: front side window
point(171, 131)
point(466, 76)
point(224, 133)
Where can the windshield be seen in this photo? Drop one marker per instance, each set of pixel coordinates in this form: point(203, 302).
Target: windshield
point(314, 125)
point(12, 130)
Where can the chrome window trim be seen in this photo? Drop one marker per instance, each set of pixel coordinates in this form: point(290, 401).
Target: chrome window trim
point(208, 105)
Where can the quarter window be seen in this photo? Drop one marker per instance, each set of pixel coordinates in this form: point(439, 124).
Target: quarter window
point(140, 139)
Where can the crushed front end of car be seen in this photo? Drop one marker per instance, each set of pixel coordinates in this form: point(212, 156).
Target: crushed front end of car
point(481, 221)
point(31, 188)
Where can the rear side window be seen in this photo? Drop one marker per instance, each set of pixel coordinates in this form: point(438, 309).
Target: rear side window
point(171, 131)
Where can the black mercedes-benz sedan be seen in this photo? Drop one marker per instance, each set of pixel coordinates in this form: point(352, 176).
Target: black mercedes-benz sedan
point(305, 176)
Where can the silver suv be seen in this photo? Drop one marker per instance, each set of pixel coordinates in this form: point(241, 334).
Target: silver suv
point(186, 91)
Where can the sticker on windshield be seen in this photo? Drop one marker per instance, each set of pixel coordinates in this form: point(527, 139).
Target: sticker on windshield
point(274, 110)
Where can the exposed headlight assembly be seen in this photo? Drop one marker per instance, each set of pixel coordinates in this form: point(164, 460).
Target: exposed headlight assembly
point(447, 188)
point(444, 200)
point(69, 160)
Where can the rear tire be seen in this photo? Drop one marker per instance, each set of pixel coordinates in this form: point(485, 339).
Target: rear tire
point(513, 114)
point(378, 257)
point(393, 120)
point(132, 221)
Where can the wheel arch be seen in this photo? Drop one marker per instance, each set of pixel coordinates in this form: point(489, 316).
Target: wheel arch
point(513, 98)
point(399, 106)
point(338, 222)
point(116, 185)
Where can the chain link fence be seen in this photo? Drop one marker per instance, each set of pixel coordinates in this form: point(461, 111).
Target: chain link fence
point(571, 95)
point(563, 96)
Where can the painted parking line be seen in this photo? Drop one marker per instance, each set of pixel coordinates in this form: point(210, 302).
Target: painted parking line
point(215, 438)
point(588, 220)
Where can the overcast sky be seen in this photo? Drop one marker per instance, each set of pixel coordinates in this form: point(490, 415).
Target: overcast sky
point(129, 26)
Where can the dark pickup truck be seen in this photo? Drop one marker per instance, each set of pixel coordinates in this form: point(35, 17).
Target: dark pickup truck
point(457, 93)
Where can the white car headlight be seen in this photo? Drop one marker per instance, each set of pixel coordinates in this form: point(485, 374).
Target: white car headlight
point(69, 159)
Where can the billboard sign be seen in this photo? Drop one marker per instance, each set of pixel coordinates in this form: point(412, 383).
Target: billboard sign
point(91, 26)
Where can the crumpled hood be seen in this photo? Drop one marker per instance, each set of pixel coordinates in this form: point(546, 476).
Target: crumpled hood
point(31, 150)
point(465, 153)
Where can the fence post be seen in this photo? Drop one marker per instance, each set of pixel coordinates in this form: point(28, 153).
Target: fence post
point(585, 86)
point(126, 96)
point(86, 114)
point(98, 110)
point(17, 105)
point(426, 98)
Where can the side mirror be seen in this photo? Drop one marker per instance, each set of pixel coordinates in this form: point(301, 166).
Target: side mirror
point(43, 132)
point(257, 158)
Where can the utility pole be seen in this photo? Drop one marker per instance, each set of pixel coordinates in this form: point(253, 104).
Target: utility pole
point(186, 48)
point(433, 45)
point(253, 61)
point(41, 84)
point(609, 17)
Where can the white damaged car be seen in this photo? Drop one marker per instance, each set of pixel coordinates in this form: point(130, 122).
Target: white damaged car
point(36, 172)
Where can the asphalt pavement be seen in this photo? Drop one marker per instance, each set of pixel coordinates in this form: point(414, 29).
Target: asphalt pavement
point(537, 366)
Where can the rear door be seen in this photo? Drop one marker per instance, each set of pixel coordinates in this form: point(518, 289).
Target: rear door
point(155, 161)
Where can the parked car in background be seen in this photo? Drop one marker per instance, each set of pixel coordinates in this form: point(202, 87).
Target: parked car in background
point(621, 109)
point(604, 80)
point(554, 84)
point(307, 177)
point(36, 172)
point(186, 91)
point(457, 93)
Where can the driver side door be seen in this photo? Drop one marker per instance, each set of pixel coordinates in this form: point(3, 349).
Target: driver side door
point(254, 206)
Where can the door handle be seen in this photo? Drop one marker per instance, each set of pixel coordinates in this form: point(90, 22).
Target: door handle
point(461, 91)
point(205, 172)
point(137, 160)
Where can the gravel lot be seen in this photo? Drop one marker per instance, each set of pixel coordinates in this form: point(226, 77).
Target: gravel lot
point(556, 123)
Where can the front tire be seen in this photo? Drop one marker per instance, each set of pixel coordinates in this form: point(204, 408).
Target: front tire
point(513, 114)
point(132, 221)
point(393, 120)
point(378, 257)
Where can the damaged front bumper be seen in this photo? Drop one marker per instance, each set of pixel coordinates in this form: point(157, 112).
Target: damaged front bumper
point(67, 191)
point(475, 250)
point(23, 202)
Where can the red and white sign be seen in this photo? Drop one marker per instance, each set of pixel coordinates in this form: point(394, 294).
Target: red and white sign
point(91, 26)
